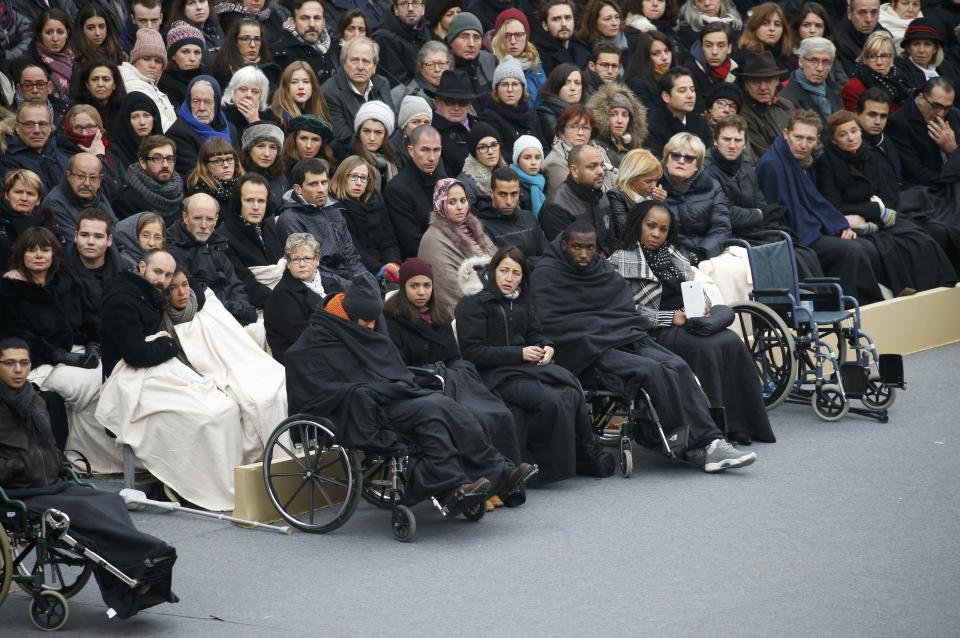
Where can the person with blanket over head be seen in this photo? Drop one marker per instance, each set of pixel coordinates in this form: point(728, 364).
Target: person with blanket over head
point(586, 308)
point(345, 367)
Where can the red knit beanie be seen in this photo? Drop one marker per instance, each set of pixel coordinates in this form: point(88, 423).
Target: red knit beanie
point(512, 14)
point(413, 267)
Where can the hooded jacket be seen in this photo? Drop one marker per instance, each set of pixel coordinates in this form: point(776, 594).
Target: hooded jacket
point(637, 130)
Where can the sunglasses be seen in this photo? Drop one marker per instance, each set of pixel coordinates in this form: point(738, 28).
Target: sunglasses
point(683, 157)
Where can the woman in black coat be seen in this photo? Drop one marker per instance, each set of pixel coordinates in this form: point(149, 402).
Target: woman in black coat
point(500, 334)
point(564, 86)
point(849, 176)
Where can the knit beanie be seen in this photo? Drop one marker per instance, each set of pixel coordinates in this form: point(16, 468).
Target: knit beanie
point(181, 34)
point(261, 132)
point(311, 124)
point(362, 299)
point(509, 68)
point(414, 267)
point(412, 106)
point(523, 143)
point(725, 90)
point(374, 110)
point(512, 14)
point(149, 43)
point(464, 21)
point(479, 131)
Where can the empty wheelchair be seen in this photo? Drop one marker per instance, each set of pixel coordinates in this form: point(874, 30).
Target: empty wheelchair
point(807, 343)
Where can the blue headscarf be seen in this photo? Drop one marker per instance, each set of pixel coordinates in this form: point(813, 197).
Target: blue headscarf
point(219, 126)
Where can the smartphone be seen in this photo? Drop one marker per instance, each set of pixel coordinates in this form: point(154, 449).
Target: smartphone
point(694, 301)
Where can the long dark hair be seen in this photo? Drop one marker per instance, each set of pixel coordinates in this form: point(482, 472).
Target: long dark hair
point(640, 64)
point(398, 306)
point(558, 77)
point(110, 49)
point(635, 216)
point(670, 12)
point(228, 57)
point(509, 252)
point(82, 93)
point(345, 21)
point(178, 12)
point(37, 236)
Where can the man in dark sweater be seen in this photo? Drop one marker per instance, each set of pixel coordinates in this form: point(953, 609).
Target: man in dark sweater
point(92, 263)
point(580, 197)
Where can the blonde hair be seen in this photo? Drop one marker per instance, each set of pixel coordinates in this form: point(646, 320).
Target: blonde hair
point(283, 101)
point(637, 163)
point(338, 183)
point(878, 42)
point(29, 178)
point(77, 109)
point(499, 47)
point(685, 141)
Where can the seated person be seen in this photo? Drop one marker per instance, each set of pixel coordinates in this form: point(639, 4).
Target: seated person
point(703, 218)
point(42, 305)
point(33, 146)
point(137, 234)
point(301, 292)
point(587, 309)
point(505, 220)
point(19, 208)
point(181, 427)
point(926, 132)
point(674, 112)
point(453, 245)
point(424, 342)
point(654, 269)
point(765, 111)
point(92, 261)
point(499, 333)
point(80, 190)
point(31, 470)
point(345, 368)
point(849, 177)
point(151, 184)
point(196, 246)
point(786, 178)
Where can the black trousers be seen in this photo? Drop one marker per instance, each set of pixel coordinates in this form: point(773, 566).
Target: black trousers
point(856, 263)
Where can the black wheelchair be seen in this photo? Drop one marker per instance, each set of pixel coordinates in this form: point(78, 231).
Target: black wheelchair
point(40, 556)
point(807, 344)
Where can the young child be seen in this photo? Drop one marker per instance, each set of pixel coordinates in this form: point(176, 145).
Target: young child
point(527, 159)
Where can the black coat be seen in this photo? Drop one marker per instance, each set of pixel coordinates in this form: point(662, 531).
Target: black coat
point(848, 181)
point(748, 207)
point(920, 157)
point(519, 229)
point(90, 284)
point(509, 129)
point(48, 318)
point(174, 81)
point(234, 117)
point(248, 248)
point(453, 142)
point(850, 43)
point(421, 343)
point(28, 452)
point(399, 45)
point(372, 231)
point(343, 102)
point(132, 311)
point(50, 163)
point(409, 197)
point(208, 263)
point(289, 49)
point(11, 225)
point(662, 125)
point(188, 144)
point(552, 54)
point(288, 310)
point(703, 218)
point(548, 110)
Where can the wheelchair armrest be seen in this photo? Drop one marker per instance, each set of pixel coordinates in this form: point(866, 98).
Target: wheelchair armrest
point(71, 475)
point(427, 377)
point(11, 503)
point(821, 280)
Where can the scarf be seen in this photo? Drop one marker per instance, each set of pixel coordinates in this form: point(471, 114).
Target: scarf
point(237, 7)
point(662, 264)
point(518, 115)
point(681, 188)
point(479, 173)
point(620, 41)
point(21, 403)
point(536, 184)
point(322, 45)
point(84, 141)
point(173, 316)
point(219, 126)
point(817, 92)
point(223, 190)
point(162, 198)
point(513, 296)
point(385, 167)
point(721, 72)
point(440, 208)
point(729, 167)
point(60, 65)
point(659, 70)
point(315, 284)
point(896, 86)
point(929, 72)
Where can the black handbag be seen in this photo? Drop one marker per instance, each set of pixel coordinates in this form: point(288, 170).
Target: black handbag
point(720, 318)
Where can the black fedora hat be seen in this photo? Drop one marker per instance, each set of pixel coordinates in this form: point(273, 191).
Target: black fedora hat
point(761, 65)
point(455, 85)
point(923, 29)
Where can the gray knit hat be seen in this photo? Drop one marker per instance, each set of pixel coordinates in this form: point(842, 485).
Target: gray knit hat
point(465, 21)
point(375, 110)
point(412, 106)
point(261, 132)
point(509, 68)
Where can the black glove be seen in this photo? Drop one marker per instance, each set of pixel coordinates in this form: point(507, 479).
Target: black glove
point(169, 344)
point(75, 359)
point(92, 350)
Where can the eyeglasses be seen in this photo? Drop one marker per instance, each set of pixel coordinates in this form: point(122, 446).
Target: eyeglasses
point(247, 39)
point(359, 179)
point(940, 108)
point(12, 363)
point(162, 159)
point(436, 66)
point(40, 125)
point(492, 146)
point(201, 102)
point(222, 161)
point(519, 35)
point(88, 128)
point(85, 178)
point(510, 84)
point(683, 157)
point(579, 128)
point(879, 56)
point(818, 63)
point(300, 261)
point(409, 3)
point(725, 103)
point(609, 66)
point(29, 86)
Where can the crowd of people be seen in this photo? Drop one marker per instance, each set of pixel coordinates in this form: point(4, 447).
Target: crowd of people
point(215, 214)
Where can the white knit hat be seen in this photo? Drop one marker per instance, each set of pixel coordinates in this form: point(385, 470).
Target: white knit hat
point(509, 68)
point(523, 143)
point(375, 110)
point(412, 106)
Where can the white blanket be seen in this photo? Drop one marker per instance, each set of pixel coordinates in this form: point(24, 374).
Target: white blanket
point(270, 275)
point(218, 347)
point(183, 429)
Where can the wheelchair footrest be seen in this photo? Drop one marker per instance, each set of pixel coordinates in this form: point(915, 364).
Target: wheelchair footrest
point(891, 370)
point(854, 378)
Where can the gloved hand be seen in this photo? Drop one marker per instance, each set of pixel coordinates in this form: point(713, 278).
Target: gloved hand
point(169, 344)
point(92, 350)
point(76, 359)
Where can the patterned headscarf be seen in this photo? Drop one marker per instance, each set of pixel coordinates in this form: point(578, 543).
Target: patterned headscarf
point(440, 192)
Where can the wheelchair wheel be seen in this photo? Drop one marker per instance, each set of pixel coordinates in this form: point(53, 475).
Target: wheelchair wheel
point(66, 572)
point(772, 349)
point(475, 513)
point(878, 395)
point(626, 457)
point(6, 564)
point(404, 524)
point(829, 403)
point(312, 481)
point(49, 611)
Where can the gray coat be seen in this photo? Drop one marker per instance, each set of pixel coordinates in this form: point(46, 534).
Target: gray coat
point(343, 102)
point(63, 207)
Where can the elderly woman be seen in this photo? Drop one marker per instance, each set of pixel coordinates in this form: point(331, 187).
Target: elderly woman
point(897, 15)
point(695, 13)
point(654, 269)
point(564, 86)
point(575, 126)
point(453, 244)
point(372, 130)
point(703, 217)
point(508, 108)
point(260, 154)
point(637, 181)
point(200, 120)
point(22, 191)
point(184, 55)
point(511, 38)
point(922, 52)
point(486, 155)
point(621, 120)
point(245, 99)
point(307, 136)
point(217, 171)
point(99, 84)
point(849, 177)
point(301, 291)
point(299, 93)
point(137, 234)
point(137, 119)
point(875, 68)
point(432, 60)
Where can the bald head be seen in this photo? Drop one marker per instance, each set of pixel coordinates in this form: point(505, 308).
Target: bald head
point(84, 174)
point(200, 214)
point(586, 166)
point(157, 267)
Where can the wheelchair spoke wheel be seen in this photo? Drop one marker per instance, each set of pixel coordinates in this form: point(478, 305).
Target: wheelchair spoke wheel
point(49, 611)
point(65, 572)
point(771, 347)
point(878, 395)
point(312, 481)
point(6, 564)
point(404, 523)
point(829, 403)
point(377, 483)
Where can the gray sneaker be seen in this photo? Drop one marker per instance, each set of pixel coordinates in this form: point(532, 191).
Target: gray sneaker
point(720, 455)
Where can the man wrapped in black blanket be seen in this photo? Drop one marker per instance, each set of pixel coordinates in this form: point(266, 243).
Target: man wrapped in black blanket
point(585, 307)
point(346, 368)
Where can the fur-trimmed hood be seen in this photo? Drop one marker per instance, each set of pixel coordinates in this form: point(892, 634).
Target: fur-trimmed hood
point(468, 276)
point(7, 122)
point(600, 103)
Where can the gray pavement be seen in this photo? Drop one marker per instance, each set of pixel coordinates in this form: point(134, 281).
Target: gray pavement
point(846, 529)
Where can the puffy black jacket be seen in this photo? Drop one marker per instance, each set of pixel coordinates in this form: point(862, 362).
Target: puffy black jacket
point(421, 343)
point(702, 214)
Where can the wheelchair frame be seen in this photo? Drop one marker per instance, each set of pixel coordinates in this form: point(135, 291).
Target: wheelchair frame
point(785, 326)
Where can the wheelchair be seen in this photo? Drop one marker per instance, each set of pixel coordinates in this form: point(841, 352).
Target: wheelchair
point(39, 555)
point(789, 326)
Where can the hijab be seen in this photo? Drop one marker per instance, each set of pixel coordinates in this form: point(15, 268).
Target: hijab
point(440, 192)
